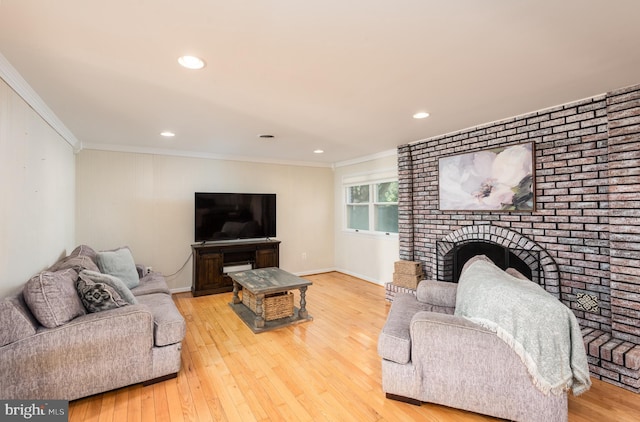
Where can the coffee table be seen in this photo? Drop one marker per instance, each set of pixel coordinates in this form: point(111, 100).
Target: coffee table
point(267, 281)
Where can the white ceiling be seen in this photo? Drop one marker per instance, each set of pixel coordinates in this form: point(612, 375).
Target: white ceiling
point(341, 75)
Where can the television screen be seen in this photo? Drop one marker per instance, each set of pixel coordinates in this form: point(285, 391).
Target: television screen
point(228, 216)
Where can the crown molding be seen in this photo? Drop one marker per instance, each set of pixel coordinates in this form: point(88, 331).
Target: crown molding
point(195, 154)
point(16, 82)
point(366, 158)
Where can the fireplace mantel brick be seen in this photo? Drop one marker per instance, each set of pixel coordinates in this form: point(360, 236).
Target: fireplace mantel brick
point(587, 213)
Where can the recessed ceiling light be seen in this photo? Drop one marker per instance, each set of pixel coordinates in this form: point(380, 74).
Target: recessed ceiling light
point(318, 151)
point(191, 62)
point(167, 134)
point(266, 136)
point(421, 115)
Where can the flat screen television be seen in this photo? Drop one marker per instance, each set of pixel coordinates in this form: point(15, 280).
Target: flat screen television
point(230, 216)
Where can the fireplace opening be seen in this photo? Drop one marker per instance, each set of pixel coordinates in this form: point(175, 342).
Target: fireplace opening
point(452, 262)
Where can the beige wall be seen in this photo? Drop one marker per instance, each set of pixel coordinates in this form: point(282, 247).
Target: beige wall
point(146, 201)
point(37, 191)
point(368, 256)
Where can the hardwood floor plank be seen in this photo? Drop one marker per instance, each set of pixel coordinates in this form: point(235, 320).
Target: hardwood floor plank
point(79, 411)
point(203, 409)
point(173, 401)
point(324, 370)
point(94, 409)
point(185, 398)
point(121, 404)
point(107, 407)
point(161, 404)
point(147, 405)
point(134, 404)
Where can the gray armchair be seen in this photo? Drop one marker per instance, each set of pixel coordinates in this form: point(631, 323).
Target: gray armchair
point(430, 355)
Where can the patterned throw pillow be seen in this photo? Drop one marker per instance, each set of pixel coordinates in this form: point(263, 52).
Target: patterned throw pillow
point(112, 281)
point(97, 297)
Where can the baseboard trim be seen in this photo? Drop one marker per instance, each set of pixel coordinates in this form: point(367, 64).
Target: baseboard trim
point(361, 276)
point(180, 290)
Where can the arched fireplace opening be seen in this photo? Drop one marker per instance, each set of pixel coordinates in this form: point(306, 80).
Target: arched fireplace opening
point(503, 257)
point(506, 247)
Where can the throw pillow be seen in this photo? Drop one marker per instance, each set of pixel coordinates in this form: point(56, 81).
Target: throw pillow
point(52, 298)
point(82, 257)
point(98, 297)
point(119, 263)
point(117, 284)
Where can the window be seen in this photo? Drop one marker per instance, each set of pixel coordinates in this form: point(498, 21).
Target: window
point(386, 207)
point(358, 207)
point(372, 207)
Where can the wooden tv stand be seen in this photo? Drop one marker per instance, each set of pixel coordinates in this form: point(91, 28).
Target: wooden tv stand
point(210, 259)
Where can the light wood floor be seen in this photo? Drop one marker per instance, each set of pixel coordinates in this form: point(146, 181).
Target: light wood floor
point(324, 370)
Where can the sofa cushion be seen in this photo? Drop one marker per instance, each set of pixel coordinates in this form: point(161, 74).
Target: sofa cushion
point(82, 257)
point(17, 321)
point(52, 297)
point(168, 324)
point(98, 297)
point(119, 263)
point(151, 283)
point(117, 284)
point(394, 343)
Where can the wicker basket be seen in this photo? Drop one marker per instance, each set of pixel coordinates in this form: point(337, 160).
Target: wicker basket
point(407, 281)
point(408, 267)
point(407, 274)
point(276, 306)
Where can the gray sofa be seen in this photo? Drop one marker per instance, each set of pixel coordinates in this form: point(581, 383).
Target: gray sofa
point(431, 355)
point(78, 353)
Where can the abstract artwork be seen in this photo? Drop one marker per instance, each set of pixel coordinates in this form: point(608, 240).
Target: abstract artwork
point(498, 179)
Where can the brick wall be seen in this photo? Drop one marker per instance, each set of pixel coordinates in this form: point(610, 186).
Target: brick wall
point(623, 110)
point(587, 178)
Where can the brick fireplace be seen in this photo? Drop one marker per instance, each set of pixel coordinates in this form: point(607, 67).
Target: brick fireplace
point(586, 227)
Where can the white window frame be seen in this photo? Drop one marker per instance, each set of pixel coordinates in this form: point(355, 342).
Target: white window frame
point(372, 179)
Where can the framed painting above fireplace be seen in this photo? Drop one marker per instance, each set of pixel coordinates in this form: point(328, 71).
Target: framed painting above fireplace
point(496, 179)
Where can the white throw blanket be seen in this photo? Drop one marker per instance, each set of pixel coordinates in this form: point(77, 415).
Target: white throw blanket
point(536, 325)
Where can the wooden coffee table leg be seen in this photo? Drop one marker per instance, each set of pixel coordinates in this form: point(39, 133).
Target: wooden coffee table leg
point(302, 313)
point(259, 320)
point(236, 299)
